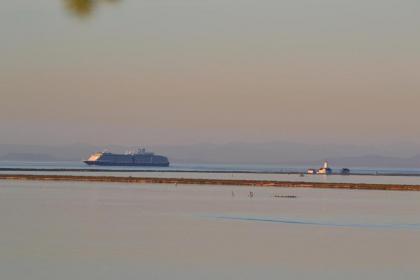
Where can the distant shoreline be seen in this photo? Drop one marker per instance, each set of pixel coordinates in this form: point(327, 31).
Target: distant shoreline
point(372, 173)
point(220, 182)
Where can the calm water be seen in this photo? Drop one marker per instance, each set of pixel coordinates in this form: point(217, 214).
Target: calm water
point(220, 171)
point(118, 231)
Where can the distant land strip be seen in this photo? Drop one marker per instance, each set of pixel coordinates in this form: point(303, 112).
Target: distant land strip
point(290, 172)
point(220, 182)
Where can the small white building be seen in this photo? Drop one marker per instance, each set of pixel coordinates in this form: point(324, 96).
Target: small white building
point(311, 171)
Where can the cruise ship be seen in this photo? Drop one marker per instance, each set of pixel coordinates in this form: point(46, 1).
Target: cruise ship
point(139, 158)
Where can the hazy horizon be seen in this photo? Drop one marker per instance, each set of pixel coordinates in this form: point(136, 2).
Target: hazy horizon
point(273, 153)
point(184, 72)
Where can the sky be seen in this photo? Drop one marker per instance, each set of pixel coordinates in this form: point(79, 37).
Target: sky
point(171, 72)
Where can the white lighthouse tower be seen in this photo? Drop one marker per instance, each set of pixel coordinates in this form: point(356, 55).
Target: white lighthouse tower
point(326, 170)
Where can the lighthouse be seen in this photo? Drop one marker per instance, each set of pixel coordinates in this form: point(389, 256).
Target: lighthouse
point(325, 170)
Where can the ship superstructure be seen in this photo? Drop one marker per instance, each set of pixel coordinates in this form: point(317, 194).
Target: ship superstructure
point(138, 158)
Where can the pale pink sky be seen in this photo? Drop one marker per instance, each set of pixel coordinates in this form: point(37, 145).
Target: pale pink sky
point(170, 72)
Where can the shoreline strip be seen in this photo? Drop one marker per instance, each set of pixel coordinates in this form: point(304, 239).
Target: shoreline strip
point(220, 182)
point(281, 172)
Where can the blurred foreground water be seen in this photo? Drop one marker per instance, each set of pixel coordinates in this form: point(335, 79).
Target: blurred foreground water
point(67, 230)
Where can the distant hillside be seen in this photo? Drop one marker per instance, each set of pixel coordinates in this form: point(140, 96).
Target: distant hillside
point(75, 152)
point(378, 161)
point(27, 157)
point(281, 153)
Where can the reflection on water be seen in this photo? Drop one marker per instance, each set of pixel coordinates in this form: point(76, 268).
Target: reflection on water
point(319, 223)
point(85, 8)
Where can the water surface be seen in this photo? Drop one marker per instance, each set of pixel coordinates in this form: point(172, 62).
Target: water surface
point(65, 230)
point(219, 171)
